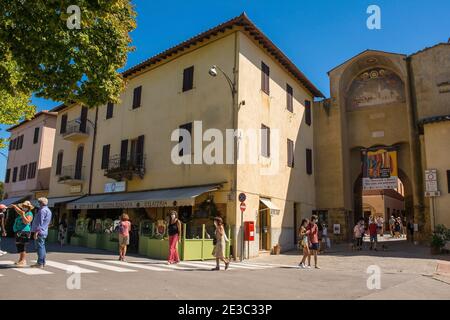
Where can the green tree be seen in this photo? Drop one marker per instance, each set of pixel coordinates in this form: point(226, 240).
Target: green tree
point(43, 52)
point(1, 190)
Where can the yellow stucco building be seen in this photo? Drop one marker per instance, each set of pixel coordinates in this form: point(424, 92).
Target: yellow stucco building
point(119, 158)
point(382, 100)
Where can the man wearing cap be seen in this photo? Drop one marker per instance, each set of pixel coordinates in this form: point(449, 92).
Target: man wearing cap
point(40, 229)
point(3, 209)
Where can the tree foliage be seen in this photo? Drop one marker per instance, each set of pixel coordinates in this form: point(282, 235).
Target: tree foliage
point(41, 55)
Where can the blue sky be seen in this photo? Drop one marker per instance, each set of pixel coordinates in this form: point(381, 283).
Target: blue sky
point(316, 34)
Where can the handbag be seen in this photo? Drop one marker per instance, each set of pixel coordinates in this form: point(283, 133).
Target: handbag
point(23, 236)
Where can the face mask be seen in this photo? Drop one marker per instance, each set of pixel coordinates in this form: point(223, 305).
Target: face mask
point(173, 216)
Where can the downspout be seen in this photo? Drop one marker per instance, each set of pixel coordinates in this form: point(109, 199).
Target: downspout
point(416, 164)
point(235, 125)
point(94, 140)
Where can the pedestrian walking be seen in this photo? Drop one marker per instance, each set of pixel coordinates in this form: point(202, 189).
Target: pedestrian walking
point(373, 233)
point(380, 223)
point(391, 225)
point(304, 243)
point(124, 235)
point(39, 228)
point(3, 209)
point(174, 231)
point(326, 243)
point(314, 240)
point(410, 228)
point(362, 227)
point(62, 230)
point(357, 236)
point(397, 228)
point(219, 244)
point(22, 230)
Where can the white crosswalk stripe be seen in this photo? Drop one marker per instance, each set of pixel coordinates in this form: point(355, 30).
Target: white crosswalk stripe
point(138, 264)
point(103, 266)
point(26, 270)
point(208, 264)
point(68, 267)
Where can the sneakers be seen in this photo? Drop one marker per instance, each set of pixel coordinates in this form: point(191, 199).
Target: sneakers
point(3, 253)
point(37, 265)
point(227, 265)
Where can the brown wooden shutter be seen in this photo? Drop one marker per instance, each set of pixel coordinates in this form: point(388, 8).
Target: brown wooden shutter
point(308, 112)
point(79, 163)
point(8, 175)
point(105, 156)
point(290, 98)
point(83, 119)
point(137, 97)
point(59, 162)
point(188, 79)
point(14, 179)
point(63, 128)
point(36, 135)
point(110, 110)
point(123, 153)
point(265, 141)
point(309, 166)
point(290, 153)
point(448, 180)
point(265, 78)
point(140, 151)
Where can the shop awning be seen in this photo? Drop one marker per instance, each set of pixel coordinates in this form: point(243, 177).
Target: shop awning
point(274, 210)
point(144, 199)
point(14, 200)
point(54, 201)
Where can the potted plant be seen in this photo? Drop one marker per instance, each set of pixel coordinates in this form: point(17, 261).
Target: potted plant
point(437, 242)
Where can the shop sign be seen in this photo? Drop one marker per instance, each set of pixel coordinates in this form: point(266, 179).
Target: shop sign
point(75, 189)
point(132, 204)
point(112, 187)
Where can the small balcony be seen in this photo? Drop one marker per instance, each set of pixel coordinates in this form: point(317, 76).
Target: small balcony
point(125, 167)
point(71, 175)
point(75, 131)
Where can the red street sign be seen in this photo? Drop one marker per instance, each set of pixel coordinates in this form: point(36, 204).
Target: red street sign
point(243, 207)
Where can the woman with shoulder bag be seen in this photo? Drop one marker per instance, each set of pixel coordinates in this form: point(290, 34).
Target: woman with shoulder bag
point(22, 230)
point(304, 243)
point(219, 244)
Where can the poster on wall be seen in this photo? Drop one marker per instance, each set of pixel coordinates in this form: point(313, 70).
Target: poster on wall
point(380, 169)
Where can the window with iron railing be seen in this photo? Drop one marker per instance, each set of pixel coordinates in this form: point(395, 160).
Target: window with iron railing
point(72, 173)
point(75, 126)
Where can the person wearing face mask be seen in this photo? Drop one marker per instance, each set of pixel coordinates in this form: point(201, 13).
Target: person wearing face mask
point(219, 244)
point(3, 209)
point(174, 231)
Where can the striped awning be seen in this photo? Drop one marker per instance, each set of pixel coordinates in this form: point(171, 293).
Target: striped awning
point(14, 200)
point(143, 199)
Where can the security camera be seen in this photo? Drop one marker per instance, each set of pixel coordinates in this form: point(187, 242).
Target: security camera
point(213, 71)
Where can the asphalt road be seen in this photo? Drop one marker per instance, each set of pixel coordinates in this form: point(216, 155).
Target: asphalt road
point(407, 272)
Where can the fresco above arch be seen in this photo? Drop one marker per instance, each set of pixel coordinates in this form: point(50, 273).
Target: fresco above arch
point(375, 87)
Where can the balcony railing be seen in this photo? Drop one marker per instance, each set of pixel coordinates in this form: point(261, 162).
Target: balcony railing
point(125, 167)
point(71, 175)
point(75, 130)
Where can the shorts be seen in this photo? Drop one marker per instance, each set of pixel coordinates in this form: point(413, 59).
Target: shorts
point(373, 238)
point(314, 246)
point(124, 240)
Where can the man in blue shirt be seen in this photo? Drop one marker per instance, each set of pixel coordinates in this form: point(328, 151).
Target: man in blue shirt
point(40, 229)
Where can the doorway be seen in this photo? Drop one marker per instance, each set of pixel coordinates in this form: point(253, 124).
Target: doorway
point(264, 227)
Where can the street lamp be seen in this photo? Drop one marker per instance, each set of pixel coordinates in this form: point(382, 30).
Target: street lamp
point(213, 72)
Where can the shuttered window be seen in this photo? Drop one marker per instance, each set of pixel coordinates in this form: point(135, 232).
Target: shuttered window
point(188, 127)
point(63, 128)
point(109, 110)
point(265, 76)
point(79, 163)
point(290, 153)
point(105, 156)
point(265, 141)
point(23, 173)
point(8, 175)
point(308, 112)
point(448, 180)
point(123, 153)
point(137, 97)
point(36, 135)
point(32, 170)
point(59, 162)
point(289, 98)
point(140, 151)
point(14, 179)
point(83, 119)
point(188, 79)
point(309, 163)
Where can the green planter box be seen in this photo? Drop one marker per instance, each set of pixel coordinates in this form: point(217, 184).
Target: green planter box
point(78, 241)
point(52, 236)
point(143, 245)
point(112, 246)
point(158, 249)
point(94, 240)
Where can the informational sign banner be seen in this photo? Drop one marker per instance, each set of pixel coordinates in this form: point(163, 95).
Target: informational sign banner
point(431, 184)
point(116, 187)
point(380, 169)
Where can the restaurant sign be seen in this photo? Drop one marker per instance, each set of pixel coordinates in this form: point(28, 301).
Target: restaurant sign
point(132, 204)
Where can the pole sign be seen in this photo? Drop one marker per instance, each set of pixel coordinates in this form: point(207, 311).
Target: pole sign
point(243, 206)
point(242, 197)
point(431, 184)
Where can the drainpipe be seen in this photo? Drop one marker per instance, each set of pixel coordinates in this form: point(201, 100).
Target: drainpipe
point(94, 140)
point(415, 153)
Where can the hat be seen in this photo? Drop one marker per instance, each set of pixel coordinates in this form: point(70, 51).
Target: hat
point(26, 204)
point(3, 207)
